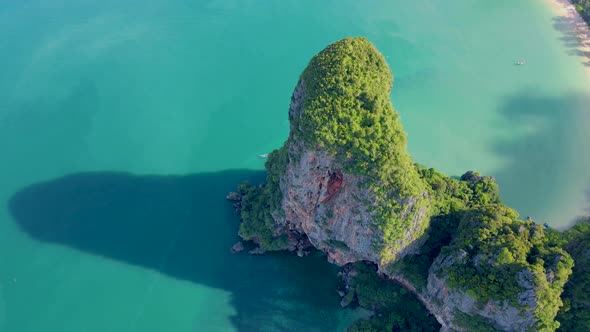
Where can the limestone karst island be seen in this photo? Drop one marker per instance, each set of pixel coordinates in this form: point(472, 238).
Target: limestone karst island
point(294, 165)
point(344, 184)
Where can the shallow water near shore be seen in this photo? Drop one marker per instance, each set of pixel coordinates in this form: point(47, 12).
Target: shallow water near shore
point(123, 125)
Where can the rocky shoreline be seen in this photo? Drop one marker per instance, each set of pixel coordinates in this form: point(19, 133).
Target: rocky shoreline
point(298, 243)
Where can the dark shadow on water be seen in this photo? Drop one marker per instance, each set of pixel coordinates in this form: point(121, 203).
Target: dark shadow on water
point(550, 154)
point(183, 227)
point(570, 28)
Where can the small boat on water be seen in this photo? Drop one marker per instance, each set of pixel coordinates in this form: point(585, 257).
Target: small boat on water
point(520, 62)
point(263, 155)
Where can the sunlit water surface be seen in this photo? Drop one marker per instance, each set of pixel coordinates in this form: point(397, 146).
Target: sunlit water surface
point(124, 123)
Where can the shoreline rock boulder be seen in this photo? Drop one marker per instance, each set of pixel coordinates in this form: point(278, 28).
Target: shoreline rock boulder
point(237, 247)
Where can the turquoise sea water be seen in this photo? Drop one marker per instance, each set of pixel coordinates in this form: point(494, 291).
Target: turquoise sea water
point(123, 125)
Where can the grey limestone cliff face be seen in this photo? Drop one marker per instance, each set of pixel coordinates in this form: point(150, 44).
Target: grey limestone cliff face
point(446, 302)
point(332, 207)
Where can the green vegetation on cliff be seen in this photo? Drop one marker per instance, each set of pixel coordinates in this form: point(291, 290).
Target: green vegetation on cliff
point(449, 199)
point(575, 315)
point(347, 112)
point(501, 257)
point(395, 309)
point(450, 195)
point(259, 203)
point(347, 109)
point(495, 249)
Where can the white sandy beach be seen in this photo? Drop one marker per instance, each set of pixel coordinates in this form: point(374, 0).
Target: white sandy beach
point(574, 28)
